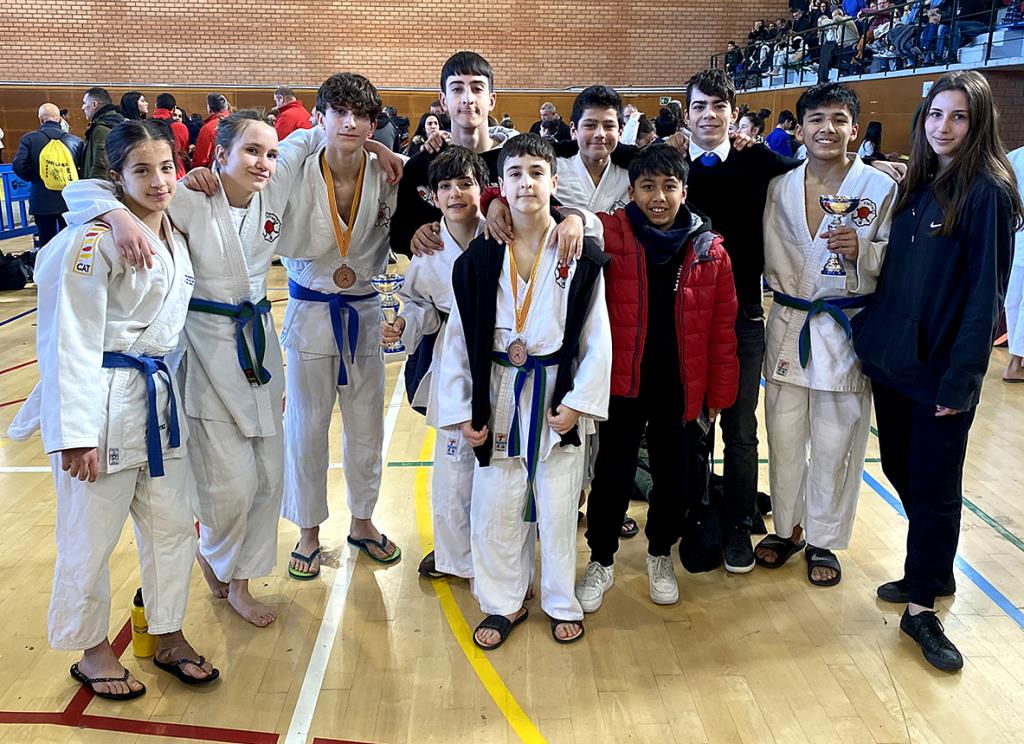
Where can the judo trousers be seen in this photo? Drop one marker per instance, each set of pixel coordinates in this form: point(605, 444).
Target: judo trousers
point(90, 518)
point(311, 387)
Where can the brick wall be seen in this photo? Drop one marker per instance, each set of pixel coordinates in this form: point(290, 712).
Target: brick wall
point(1008, 89)
point(531, 43)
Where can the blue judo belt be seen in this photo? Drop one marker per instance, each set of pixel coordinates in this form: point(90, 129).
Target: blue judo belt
point(149, 366)
point(536, 365)
point(336, 303)
point(832, 306)
point(244, 314)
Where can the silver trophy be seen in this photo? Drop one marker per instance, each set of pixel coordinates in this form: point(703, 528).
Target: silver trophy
point(837, 206)
point(387, 285)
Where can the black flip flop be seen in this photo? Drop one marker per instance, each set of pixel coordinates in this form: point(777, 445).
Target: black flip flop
point(174, 667)
point(428, 568)
point(822, 558)
point(77, 675)
point(783, 547)
point(555, 623)
point(629, 528)
point(501, 624)
point(382, 545)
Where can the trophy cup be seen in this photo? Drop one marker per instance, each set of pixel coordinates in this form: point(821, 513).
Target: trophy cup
point(386, 285)
point(837, 206)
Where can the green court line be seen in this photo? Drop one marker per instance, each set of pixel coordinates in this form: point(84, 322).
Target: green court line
point(429, 463)
point(980, 514)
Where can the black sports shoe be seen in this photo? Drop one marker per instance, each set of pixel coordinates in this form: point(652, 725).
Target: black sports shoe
point(739, 554)
point(927, 630)
point(898, 593)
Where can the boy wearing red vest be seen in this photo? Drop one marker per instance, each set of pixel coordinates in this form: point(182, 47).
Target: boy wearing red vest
point(672, 307)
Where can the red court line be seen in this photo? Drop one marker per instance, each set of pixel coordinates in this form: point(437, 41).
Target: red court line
point(17, 366)
point(74, 715)
point(321, 740)
point(12, 402)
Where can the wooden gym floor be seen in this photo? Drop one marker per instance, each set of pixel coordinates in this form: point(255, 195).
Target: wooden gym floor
point(376, 654)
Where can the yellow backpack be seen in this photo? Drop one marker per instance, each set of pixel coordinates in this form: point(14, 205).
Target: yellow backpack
point(56, 166)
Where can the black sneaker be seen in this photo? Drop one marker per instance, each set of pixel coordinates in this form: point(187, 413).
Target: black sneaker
point(739, 553)
point(898, 593)
point(926, 629)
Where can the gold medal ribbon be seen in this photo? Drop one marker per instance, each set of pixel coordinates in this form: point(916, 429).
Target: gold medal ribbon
point(522, 311)
point(342, 235)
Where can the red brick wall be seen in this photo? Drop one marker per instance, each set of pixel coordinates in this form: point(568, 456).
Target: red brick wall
point(1008, 89)
point(531, 43)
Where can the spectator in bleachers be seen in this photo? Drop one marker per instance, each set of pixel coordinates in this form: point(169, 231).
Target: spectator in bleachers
point(46, 205)
point(970, 18)
point(733, 57)
point(757, 33)
point(134, 105)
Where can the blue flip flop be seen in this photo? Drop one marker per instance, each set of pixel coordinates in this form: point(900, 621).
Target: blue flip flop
point(382, 545)
point(308, 559)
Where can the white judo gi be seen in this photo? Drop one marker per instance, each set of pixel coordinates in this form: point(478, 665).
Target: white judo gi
point(577, 189)
point(237, 452)
point(501, 566)
point(1015, 290)
point(426, 302)
point(93, 304)
point(818, 416)
point(315, 346)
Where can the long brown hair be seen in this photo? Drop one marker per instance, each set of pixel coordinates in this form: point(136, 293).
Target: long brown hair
point(981, 153)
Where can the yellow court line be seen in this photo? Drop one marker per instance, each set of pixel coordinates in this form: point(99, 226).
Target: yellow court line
point(485, 671)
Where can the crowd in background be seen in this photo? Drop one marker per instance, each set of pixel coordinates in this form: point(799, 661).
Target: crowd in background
point(863, 36)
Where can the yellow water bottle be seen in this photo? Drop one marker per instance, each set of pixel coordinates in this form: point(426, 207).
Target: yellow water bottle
point(143, 644)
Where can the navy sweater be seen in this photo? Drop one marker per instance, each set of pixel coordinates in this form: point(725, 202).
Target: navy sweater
point(928, 334)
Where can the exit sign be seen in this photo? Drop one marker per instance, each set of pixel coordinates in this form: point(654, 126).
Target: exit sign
point(664, 101)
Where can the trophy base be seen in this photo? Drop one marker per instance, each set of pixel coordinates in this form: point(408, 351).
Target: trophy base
point(396, 348)
point(833, 272)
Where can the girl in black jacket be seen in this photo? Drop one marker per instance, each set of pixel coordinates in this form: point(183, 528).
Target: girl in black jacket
point(926, 340)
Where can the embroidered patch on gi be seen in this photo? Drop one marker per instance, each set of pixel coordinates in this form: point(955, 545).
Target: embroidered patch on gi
point(501, 442)
point(452, 447)
point(190, 280)
point(271, 227)
point(113, 456)
point(383, 215)
point(865, 213)
point(86, 254)
point(561, 275)
point(426, 195)
point(782, 368)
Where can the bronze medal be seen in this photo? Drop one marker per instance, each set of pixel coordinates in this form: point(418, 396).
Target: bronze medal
point(344, 277)
point(517, 353)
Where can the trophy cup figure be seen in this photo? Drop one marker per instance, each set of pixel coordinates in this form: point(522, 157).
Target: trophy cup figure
point(387, 285)
point(837, 206)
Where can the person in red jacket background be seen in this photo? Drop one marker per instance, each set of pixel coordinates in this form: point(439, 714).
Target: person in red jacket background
point(165, 104)
point(218, 108)
point(291, 114)
point(672, 306)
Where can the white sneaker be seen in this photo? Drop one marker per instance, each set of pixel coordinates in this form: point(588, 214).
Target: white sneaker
point(664, 588)
point(597, 579)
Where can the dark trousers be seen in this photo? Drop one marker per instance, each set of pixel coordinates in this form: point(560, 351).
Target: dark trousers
point(671, 446)
point(739, 426)
point(47, 227)
point(923, 457)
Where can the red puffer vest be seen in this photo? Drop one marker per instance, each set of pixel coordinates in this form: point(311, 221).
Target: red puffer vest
point(705, 315)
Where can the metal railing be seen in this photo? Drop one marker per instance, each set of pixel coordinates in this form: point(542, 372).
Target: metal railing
point(918, 34)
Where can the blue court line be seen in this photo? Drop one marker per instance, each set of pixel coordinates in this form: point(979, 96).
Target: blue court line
point(19, 315)
point(1000, 600)
point(997, 597)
